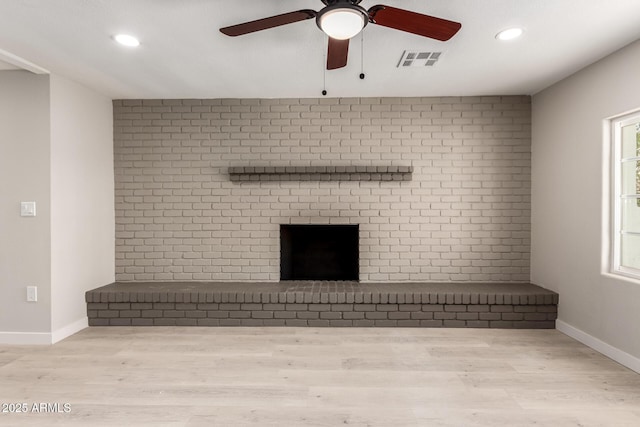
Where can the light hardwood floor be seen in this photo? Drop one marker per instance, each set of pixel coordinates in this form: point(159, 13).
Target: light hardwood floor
point(169, 376)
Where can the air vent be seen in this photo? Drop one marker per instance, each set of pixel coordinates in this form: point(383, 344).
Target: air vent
point(418, 59)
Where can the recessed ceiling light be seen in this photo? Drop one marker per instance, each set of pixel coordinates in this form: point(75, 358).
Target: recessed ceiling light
point(126, 40)
point(509, 34)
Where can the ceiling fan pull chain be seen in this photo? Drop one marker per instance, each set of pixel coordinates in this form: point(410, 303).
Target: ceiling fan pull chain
point(324, 70)
point(362, 55)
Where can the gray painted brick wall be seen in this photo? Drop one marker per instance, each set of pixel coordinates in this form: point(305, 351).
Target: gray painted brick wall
point(463, 216)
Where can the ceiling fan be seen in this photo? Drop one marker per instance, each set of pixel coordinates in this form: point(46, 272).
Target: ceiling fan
point(343, 19)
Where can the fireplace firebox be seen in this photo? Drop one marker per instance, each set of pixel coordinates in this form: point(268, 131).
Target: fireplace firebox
point(319, 252)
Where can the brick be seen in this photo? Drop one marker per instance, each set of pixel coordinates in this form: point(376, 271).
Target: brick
point(296, 307)
point(444, 316)
point(119, 306)
point(454, 323)
point(432, 307)
point(319, 307)
point(151, 313)
point(364, 307)
point(331, 315)
point(455, 307)
point(353, 315)
point(501, 308)
point(421, 315)
point(515, 316)
point(141, 322)
point(119, 322)
point(262, 314)
point(186, 322)
point(535, 316)
point(295, 322)
point(341, 307)
point(408, 323)
point(490, 316)
point(409, 307)
point(173, 313)
point(363, 323)
point(130, 313)
point(218, 314)
point(273, 307)
point(284, 314)
point(240, 314)
point(340, 323)
point(376, 315)
point(247, 307)
point(399, 315)
point(141, 306)
point(478, 308)
point(477, 324)
point(250, 322)
point(231, 306)
point(317, 323)
point(186, 306)
point(164, 321)
point(387, 307)
point(231, 322)
point(526, 308)
point(467, 316)
point(108, 314)
point(307, 314)
point(386, 323)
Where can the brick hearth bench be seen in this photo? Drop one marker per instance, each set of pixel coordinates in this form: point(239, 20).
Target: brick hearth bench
point(465, 305)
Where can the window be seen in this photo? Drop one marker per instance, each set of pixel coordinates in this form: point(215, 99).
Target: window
point(626, 215)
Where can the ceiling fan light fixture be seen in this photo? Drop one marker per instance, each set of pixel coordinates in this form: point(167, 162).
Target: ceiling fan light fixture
point(342, 22)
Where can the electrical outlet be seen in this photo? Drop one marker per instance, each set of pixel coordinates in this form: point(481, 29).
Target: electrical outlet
point(32, 293)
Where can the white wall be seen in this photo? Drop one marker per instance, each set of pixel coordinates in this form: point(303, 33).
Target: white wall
point(568, 194)
point(82, 211)
point(25, 249)
point(56, 148)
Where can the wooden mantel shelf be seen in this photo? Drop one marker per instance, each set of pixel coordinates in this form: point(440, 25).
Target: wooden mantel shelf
point(320, 173)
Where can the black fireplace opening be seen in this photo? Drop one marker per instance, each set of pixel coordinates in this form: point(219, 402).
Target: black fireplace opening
point(319, 252)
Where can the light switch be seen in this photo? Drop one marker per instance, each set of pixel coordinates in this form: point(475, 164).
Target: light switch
point(28, 209)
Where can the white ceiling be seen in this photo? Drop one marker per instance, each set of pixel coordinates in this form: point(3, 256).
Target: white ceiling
point(183, 55)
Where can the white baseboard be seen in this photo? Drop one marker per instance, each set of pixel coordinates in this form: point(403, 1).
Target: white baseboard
point(43, 338)
point(69, 330)
point(608, 350)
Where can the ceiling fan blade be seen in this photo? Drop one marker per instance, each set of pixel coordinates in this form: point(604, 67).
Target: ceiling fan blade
point(266, 23)
point(337, 53)
point(413, 22)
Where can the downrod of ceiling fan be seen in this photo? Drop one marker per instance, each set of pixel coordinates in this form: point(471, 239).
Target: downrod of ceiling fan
point(331, 2)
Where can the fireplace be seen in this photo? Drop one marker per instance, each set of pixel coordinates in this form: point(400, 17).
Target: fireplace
point(319, 252)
